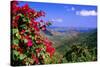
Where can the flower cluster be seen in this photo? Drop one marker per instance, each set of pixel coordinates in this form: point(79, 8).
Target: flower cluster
point(29, 46)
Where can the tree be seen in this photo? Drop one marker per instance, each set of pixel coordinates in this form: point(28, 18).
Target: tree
point(29, 46)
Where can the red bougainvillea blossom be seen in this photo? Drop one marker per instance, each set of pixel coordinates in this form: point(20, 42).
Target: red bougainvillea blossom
point(50, 50)
point(29, 45)
point(49, 47)
point(35, 59)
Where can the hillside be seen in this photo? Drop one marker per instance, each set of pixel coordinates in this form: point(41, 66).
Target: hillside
point(63, 42)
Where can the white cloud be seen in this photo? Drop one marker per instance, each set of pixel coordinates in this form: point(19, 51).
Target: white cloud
point(72, 8)
point(86, 13)
point(57, 20)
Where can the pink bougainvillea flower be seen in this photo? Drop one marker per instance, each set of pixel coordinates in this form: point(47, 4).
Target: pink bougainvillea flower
point(35, 59)
point(31, 13)
point(49, 47)
point(14, 24)
point(17, 18)
point(15, 10)
point(38, 41)
point(38, 50)
point(29, 43)
point(27, 37)
point(14, 4)
point(20, 50)
point(46, 42)
point(36, 28)
point(25, 7)
point(40, 13)
point(50, 50)
point(34, 24)
point(23, 31)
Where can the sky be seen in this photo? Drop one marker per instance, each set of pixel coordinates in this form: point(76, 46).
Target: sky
point(67, 15)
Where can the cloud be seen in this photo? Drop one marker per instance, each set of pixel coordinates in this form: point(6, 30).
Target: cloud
point(57, 20)
point(69, 8)
point(86, 13)
point(72, 8)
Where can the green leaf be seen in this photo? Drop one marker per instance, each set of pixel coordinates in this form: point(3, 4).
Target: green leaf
point(15, 52)
point(18, 35)
point(27, 31)
point(25, 19)
point(23, 26)
point(32, 37)
point(14, 31)
point(25, 41)
point(21, 15)
point(22, 56)
point(15, 41)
